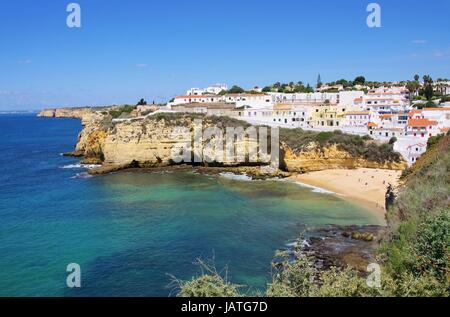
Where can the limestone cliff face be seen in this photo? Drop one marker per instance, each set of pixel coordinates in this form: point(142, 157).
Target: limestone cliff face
point(331, 157)
point(77, 113)
point(90, 134)
point(152, 142)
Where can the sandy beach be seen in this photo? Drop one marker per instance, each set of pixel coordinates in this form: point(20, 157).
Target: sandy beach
point(363, 186)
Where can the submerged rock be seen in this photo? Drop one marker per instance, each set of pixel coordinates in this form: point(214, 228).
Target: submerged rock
point(340, 246)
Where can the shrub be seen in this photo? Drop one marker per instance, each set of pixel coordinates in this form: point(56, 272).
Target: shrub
point(296, 278)
point(120, 111)
point(209, 284)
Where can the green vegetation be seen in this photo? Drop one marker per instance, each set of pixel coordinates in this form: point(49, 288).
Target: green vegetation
point(121, 112)
point(428, 104)
point(209, 284)
point(236, 90)
point(360, 80)
point(298, 140)
point(142, 102)
point(180, 118)
point(445, 99)
point(288, 88)
point(419, 240)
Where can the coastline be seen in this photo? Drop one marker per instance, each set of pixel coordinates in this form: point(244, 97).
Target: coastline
point(362, 186)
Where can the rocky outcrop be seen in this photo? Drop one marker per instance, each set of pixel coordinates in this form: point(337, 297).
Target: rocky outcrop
point(76, 113)
point(316, 158)
point(337, 246)
point(152, 141)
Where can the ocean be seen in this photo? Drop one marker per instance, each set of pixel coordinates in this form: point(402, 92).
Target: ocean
point(133, 233)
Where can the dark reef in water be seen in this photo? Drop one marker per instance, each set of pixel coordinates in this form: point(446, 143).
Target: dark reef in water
point(338, 246)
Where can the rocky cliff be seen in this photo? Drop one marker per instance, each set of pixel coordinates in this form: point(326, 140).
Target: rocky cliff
point(150, 142)
point(317, 158)
point(76, 113)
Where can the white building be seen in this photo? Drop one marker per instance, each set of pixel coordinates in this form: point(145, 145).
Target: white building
point(410, 149)
point(383, 100)
point(356, 121)
point(254, 101)
point(196, 98)
point(281, 115)
point(212, 90)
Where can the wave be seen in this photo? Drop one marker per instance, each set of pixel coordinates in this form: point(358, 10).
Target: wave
point(81, 175)
point(314, 189)
point(304, 243)
point(80, 166)
point(236, 177)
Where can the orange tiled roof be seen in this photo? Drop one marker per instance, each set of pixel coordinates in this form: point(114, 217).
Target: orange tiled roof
point(413, 112)
point(420, 122)
point(437, 109)
point(371, 124)
point(386, 116)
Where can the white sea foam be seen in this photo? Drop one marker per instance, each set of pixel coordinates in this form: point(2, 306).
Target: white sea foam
point(81, 175)
point(315, 189)
point(305, 244)
point(80, 166)
point(236, 177)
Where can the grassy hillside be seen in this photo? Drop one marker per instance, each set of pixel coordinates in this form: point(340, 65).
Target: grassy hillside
point(419, 237)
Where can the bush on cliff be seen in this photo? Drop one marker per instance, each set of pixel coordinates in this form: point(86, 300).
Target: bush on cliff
point(298, 140)
point(209, 284)
point(419, 223)
point(120, 112)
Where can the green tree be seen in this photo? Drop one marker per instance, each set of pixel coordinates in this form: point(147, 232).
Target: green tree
point(413, 87)
point(319, 81)
point(142, 102)
point(428, 91)
point(427, 79)
point(236, 90)
point(360, 80)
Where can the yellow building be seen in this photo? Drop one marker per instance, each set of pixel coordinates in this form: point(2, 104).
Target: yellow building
point(326, 115)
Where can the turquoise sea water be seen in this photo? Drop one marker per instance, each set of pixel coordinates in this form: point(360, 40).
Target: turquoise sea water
point(130, 231)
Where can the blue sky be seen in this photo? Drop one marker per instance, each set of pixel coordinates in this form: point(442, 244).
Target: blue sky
point(126, 50)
